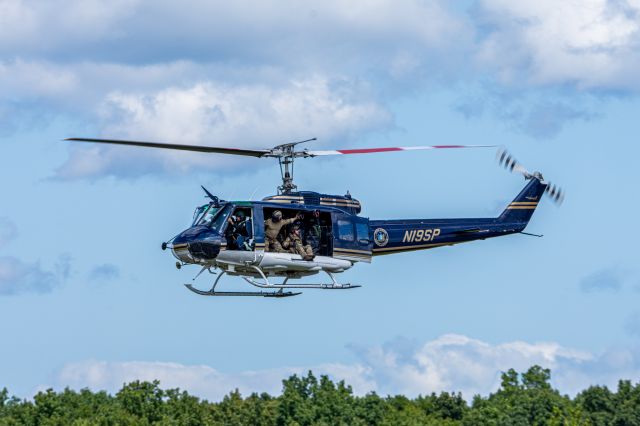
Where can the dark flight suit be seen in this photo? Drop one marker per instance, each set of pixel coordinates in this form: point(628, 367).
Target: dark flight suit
point(313, 235)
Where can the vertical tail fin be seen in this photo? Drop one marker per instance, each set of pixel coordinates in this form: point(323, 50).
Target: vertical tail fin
point(522, 207)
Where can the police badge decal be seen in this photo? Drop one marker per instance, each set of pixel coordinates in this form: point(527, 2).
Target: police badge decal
point(380, 237)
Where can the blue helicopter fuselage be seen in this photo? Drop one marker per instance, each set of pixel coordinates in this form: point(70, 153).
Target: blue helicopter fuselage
point(344, 234)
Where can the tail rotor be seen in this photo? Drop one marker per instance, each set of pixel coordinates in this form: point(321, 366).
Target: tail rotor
point(555, 192)
point(509, 162)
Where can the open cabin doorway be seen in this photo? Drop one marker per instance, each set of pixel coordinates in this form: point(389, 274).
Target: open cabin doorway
point(315, 227)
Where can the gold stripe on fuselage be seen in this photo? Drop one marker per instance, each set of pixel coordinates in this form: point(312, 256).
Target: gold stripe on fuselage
point(352, 250)
point(523, 205)
point(337, 253)
point(352, 257)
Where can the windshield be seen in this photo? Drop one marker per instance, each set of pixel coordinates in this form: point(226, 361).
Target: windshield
point(214, 217)
point(199, 212)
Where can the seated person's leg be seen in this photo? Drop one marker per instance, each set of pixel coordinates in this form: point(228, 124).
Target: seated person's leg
point(277, 247)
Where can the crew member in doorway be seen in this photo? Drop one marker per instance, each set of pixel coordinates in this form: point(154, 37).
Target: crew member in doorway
point(272, 227)
point(314, 232)
point(293, 243)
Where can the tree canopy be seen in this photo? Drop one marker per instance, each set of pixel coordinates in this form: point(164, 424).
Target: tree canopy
point(522, 399)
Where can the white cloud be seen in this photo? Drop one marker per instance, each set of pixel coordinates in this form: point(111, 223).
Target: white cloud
point(37, 26)
point(591, 43)
point(8, 231)
point(104, 273)
point(459, 363)
point(218, 114)
point(317, 32)
point(200, 380)
point(17, 276)
point(29, 80)
point(607, 279)
point(448, 363)
point(632, 324)
point(115, 65)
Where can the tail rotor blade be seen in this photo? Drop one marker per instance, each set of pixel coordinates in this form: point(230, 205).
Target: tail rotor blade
point(555, 192)
point(508, 161)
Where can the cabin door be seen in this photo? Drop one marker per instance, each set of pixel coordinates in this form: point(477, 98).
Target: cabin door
point(351, 238)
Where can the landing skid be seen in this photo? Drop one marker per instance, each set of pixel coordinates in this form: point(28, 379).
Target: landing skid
point(242, 293)
point(278, 288)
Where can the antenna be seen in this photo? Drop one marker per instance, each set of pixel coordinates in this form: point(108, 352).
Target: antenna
point(254, 193)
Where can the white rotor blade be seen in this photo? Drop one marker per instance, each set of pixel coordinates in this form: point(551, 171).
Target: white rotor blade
point(389, 149)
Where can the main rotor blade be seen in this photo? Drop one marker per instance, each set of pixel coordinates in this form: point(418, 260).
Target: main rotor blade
point(196, 148)
point(390, 149)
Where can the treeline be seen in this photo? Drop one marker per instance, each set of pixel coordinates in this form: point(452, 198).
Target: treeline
point(523, 399)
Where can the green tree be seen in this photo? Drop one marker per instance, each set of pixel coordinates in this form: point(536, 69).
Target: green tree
point(369, 410)
point(446, 406)
point(522, 399)
point(143, 400)
point(597, 402)
point(525, 399)
point(627, 404)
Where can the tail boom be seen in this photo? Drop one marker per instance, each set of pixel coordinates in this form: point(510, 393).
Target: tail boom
point(395, 236)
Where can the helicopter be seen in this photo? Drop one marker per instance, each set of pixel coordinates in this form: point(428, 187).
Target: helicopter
point(229, 238)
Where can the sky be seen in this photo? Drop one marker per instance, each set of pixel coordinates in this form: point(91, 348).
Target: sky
point(88, 299)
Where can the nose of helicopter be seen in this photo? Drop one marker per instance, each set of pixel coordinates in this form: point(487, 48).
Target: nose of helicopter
point(196, 244)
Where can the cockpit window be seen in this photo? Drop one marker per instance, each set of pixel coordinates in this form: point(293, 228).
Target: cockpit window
point(199, 213)
point(214, 217)
point(204, 214)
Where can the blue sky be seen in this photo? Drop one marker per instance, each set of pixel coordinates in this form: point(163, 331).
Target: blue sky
point(87, 298)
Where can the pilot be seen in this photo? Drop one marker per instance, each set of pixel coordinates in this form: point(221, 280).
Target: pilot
point(242, 232)
point(232, 232)
point(272, 228)
point(293, 243)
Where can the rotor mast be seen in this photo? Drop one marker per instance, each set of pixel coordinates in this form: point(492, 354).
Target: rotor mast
point(286, 154)
point(287, 176)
